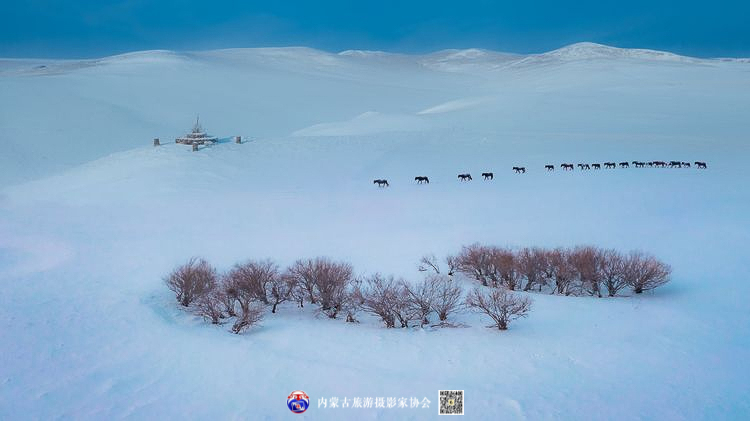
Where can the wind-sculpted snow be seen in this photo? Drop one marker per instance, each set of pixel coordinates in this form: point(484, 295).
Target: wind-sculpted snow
point(92, 217)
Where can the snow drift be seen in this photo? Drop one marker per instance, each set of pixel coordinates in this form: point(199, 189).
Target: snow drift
point(92, 217)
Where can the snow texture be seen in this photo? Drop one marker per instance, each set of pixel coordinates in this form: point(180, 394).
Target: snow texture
point(92, 217)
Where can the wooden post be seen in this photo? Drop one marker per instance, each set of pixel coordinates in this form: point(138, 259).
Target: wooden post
point(195, 147)
point(238, 139)
point(156, 142)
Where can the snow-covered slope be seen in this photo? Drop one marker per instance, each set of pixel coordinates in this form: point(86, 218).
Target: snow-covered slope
point(92, 216)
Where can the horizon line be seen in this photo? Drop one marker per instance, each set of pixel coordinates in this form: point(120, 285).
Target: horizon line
point(393, 52)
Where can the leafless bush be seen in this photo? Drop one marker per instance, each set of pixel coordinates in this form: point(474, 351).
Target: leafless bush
point(386, 298)
point(446, 296)
point(492, 266)
point(587, 262)
point(644, 272)
point(193, 280)
point(477, 261)
point(250, 316)
point(420, 298)
point(331, 281)
point(325, 282)
point(583, 270)
point(548, 272)
point(228, 298)
point(503, 263)
point(429, 263)
point(403, 311)
point(252, 280)
point(501, 305)
point(452, 262)
point(297, 292)
point(563, 271)
point(281, 289)
point(245, 291)
point(380, 297)
point(211, 306)
point(611, 269)
point(354, 302)
point(304, 273)
point(531, 264)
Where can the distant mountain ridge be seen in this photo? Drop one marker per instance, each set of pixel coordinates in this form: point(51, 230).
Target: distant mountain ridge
point(439, 58)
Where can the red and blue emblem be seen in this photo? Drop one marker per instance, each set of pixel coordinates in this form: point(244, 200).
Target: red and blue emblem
point(298, 401)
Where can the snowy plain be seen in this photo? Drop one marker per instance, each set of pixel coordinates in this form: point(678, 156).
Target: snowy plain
point(92, 217)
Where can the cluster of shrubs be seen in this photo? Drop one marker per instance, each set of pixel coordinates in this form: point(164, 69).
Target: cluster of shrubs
point(243, 294)
point(583, 270)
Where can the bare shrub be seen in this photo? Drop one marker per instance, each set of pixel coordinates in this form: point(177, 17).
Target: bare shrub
point(403, 311)
point(586, 262)
point(562, 270)
point(250, 316)
point(331, 282)
point(303, 272)
point(388, 299)
point(245, 286)
point(531, 264)
point(420, 299)
point(228, 298)
point(583, 270)
point(611, 268)
point(252, 279)
point(452, 262)
point(280, 289)
point(246, 290)
point(501, 305)
point(429, 263)
point(297, 292)
point(548, 272)
point(380, 297)
point(503, 264)
point(211, 306)
point(644, 272)
point(492, 266)
point(324, 281)
point(193, 280)
point(476, 261)
point(354, 301)
point(446, 296)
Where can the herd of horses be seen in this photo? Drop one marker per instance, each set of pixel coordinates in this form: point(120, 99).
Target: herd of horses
point(567, 167)
point(625, 164)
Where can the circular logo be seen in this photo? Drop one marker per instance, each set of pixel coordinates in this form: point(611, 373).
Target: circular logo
point(298, 401)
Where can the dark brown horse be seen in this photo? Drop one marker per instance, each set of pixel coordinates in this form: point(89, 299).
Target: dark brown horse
point(421, 179)
point(464, 177)
point(488, 175)
point(380, 183)
point(519, 169)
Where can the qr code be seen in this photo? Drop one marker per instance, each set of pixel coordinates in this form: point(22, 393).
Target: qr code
point(451, 402)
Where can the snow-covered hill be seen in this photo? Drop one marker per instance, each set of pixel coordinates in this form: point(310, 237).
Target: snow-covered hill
point(92, 217)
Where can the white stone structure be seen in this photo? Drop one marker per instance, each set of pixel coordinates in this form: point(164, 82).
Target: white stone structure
point(197, 136)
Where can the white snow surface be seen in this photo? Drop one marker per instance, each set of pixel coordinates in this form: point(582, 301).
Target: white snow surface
point(92, 217)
